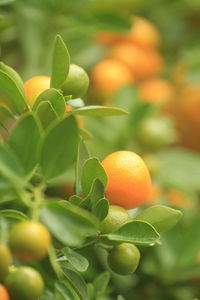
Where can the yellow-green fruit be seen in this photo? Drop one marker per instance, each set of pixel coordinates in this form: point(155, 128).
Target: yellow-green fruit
point(116, 217)
point(5, 260)
point(29, 241)
point(124, 258)
point(24, 283)
point(76, 83)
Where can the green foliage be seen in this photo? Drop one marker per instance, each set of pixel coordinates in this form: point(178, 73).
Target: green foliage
point(45, 148)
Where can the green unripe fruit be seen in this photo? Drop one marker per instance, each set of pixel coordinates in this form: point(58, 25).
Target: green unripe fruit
point(76, 83)
point(117, 216)
point(5, 260)
point(124, 258)
point(24, 283)
point(156, 132)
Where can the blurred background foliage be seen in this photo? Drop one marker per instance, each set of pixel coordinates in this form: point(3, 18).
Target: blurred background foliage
point(170, 140)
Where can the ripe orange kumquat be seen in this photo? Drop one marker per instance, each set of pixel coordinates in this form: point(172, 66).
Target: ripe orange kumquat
point(129, 182)
point(110, 75)
point(4, 293)
point(142, 62)
point(36, 85)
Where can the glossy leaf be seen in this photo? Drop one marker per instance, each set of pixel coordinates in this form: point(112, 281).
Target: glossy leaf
point(55, 98)
point(25, 140)
point(4, 110)
point(13, 214)
point(9, 87)
point(10, 167)
point(76, 102)
point(95, 110)
point(61, 62)
point(68, 223)
point(101, 283)
point(136, 232)
point(14, 76)
point(77, 282)
point(59, 148)
point(161, 217)
point(79, 262)
point(64, 291)
point(92, 170)
point(46, 114)
point(82, 155)
point(100, 209)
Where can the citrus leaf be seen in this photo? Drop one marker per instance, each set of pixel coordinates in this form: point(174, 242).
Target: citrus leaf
point(46, 114)
point(136, 232)
point(64, 291)
point(100, 209)
point(98, 110)
point(14, 76)
point(68, 223)
point(92, 170)
point(161, 217)
point(77, 283)
point(82, 155)
point(14, 214)
point(55, 98)
point(9, 87)
point(79, 262)
point(60, 65)
point(101, 283)
point(59, 148)
point(24, 140)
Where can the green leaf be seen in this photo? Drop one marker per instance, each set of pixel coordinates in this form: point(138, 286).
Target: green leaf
point(59, 148)
point(24, 140)
point(46, 114)
point(56, 99)
point(101, 283)
point(100, 209)
point(74, 199)
point(79, 262)
point(136, 232)
point(98, 110)
point(82, 155)
point(14, 76)
point(64, 291)
point(77, 282)
point(10, 167)
point(92, 170)
point(14, 214)
point(85, 134)
point(61, 62)
point(9, 87)
point(6, 111)
point(69, 224)
point(161, 217)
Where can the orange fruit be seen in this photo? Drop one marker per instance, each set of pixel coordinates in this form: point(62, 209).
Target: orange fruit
point(129, 182)
point(155, 89)
point(143, 33)
point(36, 85)
point(4, 293)
point(29, 240)
point(110, 74)
point(142, 62)
point(186, 110)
